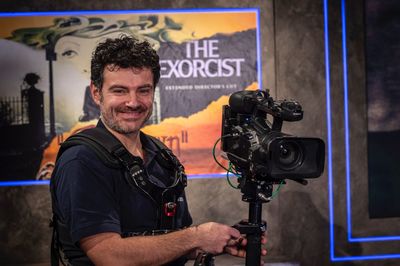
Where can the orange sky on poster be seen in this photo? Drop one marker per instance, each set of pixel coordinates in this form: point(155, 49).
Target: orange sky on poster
point(195, 25)
point(205, 25)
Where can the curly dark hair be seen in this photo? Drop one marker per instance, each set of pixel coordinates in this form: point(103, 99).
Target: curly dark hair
point(124, 52)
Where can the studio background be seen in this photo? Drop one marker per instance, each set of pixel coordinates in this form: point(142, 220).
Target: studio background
point(293, 66)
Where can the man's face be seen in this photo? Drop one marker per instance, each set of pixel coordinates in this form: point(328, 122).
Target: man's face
point(126, 98)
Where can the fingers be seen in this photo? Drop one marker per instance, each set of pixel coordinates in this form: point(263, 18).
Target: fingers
point(216, 238)
point(263, 252)
point(237, 247)
point(213, 237)
point(234, 233)
point(235, 242)
point(243, 240)
point(234, 251)
point(231, 242)
point(263, 240)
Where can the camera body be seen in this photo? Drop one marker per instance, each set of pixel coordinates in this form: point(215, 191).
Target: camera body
point(257, 147)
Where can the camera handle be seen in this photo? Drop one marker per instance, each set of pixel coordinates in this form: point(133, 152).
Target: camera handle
point(256, 193)
point(253, 232)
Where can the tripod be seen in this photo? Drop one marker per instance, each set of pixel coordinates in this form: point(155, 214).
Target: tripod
point(256, 193)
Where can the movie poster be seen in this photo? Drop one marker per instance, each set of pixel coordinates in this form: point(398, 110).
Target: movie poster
point(45, 73)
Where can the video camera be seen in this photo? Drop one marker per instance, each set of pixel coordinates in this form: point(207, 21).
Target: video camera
point(258, 148)
point(262, 155)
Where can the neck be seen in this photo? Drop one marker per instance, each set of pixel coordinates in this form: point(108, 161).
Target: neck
point(130, 141)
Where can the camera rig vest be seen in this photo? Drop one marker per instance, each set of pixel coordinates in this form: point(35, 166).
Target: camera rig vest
point(114, 155)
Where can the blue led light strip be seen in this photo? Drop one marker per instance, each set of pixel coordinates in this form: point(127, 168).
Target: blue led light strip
point(47, 182)
point(329, 129)
point(24, 183)
point(259, 65)
point(124, 12)
point(330, 174)
point(346, 118)
point(368, 257)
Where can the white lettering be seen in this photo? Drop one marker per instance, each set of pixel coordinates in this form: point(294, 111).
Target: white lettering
point(210, 68)
point(198, 66)
point(213, 47)
point(189, 68)
point(206, 62)
point(198, 48)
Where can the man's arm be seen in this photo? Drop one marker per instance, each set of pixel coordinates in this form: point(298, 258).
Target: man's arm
point(111, 249)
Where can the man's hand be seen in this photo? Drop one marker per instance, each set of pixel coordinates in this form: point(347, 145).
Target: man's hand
point(214, 237)
point(238, 247)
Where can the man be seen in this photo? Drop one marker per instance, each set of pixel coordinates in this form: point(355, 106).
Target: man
point(101, 216)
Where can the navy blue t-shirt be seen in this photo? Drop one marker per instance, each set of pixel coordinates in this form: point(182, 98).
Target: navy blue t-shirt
point(91, 198)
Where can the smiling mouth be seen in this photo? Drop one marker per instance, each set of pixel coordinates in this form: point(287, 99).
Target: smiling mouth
point(131, 114)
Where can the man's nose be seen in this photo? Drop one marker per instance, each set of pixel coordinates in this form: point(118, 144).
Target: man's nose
point(132, 99)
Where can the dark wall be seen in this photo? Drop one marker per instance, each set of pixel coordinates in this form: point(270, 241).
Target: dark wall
point(293, 67)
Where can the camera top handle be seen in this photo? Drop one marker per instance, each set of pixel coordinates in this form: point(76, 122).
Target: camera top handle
point(260, 104)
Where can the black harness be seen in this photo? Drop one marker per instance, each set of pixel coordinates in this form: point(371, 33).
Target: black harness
point(113, 154)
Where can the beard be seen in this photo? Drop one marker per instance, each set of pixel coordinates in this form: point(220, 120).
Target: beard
point(109, 118)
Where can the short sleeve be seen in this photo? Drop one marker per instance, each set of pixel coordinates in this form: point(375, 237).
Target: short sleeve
point(85, 194)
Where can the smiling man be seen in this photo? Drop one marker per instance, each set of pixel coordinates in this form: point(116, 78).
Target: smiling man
point(126, 206)
point(125, 101)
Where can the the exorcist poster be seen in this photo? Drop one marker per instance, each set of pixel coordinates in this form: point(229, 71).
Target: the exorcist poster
point(45, 73)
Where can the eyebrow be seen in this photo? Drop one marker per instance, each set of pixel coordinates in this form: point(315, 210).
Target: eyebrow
point(125, 87)
point(145, 86)
point(117, 86)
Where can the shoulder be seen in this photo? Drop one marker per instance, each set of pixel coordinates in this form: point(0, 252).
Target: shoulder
point(81, 160)
point(79, 166)
point(79, 152)
point(77, 161)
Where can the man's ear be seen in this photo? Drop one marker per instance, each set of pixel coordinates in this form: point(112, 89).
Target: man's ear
point(96, 93)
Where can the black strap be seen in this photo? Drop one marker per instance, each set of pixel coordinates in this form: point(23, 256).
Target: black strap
point(99, 140)
point(55, 248)
point(168, 155)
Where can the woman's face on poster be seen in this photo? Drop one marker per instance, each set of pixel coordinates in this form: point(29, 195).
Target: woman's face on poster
point(78, 50)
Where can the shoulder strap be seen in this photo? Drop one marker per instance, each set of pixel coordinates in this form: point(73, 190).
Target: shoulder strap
point(55, 243)
point(103, 143)
point(170, 157)
point(111, 151)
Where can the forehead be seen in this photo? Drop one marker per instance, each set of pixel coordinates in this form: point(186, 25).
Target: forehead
point(114, 75)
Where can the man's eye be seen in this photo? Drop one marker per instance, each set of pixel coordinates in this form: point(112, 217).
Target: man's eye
point(144, 91)
point(118, 91)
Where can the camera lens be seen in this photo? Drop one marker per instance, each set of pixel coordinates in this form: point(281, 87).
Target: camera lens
point(290, 155)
